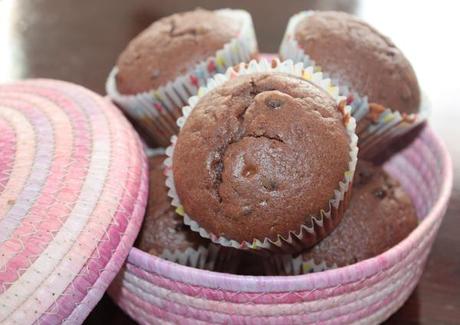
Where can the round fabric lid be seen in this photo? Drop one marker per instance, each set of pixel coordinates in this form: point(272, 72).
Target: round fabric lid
point(73, 187)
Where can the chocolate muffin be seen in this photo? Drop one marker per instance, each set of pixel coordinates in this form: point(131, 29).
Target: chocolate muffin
point(259, 156)
point(171, 47)
point(163, 228)
point(380, 215)
point(360, 57)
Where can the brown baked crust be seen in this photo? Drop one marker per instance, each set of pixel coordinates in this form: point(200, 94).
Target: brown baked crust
point(163, 228)
point(170, 47)
point(380, 215)
point(360, 56)
point(259, 156)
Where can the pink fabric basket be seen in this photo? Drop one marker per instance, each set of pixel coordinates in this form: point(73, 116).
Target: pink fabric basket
point(151, 290)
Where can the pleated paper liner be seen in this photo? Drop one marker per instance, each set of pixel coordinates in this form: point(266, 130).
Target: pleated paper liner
point(321, 224)
point(153, 152)
point(381, 127)
point(155, 112)
point(289, 265)
point(213, 257)
point(210, 257)
point(384, 125)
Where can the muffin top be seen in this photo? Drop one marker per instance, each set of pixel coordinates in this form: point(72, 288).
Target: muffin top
point(379, 216)
point(170, 47)
point(359, 56)
point(163, 228)
point(259, 156)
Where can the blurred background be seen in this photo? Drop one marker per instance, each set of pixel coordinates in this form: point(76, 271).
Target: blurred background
point(79, 41)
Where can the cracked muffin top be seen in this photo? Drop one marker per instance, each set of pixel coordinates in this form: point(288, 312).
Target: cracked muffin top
point(359, 56)
point(163, 228)
point(171, 47)
point(259, 156)
point(379, 216)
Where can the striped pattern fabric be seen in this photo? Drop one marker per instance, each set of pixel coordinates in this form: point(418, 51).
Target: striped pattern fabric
point(73, 186)
point(152, 290)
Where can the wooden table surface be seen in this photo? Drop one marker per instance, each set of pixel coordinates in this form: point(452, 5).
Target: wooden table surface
point(79, 41)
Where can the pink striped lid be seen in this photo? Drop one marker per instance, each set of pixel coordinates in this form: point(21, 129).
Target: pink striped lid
point(73, 186)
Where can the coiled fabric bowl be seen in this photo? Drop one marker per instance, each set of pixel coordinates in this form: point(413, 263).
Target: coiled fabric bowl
point(73, 188)
point(150, 289)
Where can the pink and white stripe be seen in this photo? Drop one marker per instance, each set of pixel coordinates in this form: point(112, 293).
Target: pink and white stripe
point(152, 290)
point(73, 191)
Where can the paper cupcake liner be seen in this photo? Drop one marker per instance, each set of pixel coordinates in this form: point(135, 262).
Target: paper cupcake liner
point(212, 258)
point(386, 126)
point(389, 126)
point(322, 224)
point(154, 152)
point(289, 265)
point(157, 110)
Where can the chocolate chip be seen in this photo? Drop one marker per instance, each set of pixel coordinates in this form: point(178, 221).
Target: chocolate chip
point(364, 176)
point(380, 193)
point(273, 103)
point(247, 210)
point(269, 184)
point(249, 170)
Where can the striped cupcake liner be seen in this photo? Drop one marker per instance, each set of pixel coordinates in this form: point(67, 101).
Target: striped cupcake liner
point(322, 224)
point(155, 112)
point(385, 124)
point(212, 258)
point(201, 257)
point(289, 265)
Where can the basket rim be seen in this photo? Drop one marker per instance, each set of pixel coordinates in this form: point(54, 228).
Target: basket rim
point(311, 281)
